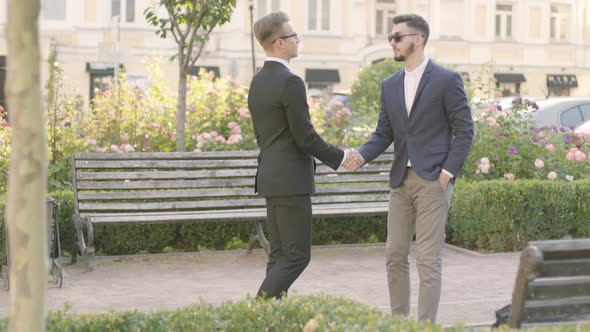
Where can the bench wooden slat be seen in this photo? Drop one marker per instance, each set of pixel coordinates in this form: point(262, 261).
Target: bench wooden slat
point(126, 185)
point(558, 310)
point(251, 214)
point(210, 183)
point(81, 176)
point(175, 155)
point(166, 155)
point(165, 164)
point(563, 249)
point(201, 204)
point(237, 192)
point(553, 288)
point(565, 268)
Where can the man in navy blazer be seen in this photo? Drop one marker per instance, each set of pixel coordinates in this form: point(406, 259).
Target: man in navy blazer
point(424, 112)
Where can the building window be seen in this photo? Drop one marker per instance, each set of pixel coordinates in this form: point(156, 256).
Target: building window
point(384, 13)
point(267, 6)
point(209, 70)
point(2, 81)
point(54, 10)
point(117, 10)
point(321, 80)
point(559, 19)
point(451, 28)
point(318, 12)
point(508, 84)
point(101, 75)
point(504, 22)
point(561, 84)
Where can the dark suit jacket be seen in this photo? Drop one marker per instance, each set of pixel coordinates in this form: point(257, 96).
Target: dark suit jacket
point(438, 133)
point(285, 135)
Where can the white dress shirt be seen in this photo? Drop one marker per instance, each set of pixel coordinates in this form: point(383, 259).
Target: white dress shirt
point(411, 82)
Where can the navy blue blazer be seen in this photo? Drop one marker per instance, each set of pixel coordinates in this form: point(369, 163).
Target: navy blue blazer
point(437, 134)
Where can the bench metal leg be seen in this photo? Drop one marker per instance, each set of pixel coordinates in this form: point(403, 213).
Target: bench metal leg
point(86, 249)
point(6, 269)
point(258, 235)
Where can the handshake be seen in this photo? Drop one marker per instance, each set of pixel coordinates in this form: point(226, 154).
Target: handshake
point(353, 161)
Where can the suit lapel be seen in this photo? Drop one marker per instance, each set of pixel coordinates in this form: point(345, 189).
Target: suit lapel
point(422, 84)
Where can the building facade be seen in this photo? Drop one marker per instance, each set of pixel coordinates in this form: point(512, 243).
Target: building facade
point(538, 47)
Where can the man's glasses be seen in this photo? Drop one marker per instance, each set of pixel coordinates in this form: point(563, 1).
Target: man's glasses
point(398, 36)
point(284, 37)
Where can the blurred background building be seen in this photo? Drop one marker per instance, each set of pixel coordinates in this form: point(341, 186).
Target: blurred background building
point(538, 47)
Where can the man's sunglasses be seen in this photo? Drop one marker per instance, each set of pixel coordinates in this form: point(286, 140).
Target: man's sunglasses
point(398, 36)
point(284, 37)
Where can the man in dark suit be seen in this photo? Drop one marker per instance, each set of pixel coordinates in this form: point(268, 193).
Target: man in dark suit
point(424, 112)
point(288, 143)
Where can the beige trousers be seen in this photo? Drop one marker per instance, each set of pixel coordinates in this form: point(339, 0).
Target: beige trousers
point(419, 207)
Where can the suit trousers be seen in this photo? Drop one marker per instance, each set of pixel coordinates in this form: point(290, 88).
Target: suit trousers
point(289, 230)
point(417, 207)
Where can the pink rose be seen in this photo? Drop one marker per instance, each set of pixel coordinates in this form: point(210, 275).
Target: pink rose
point(234, 139)
point(509, 176)
point(552, 175)
point(570, 155)
point(550, 147)
point(231, 125)
point(579, 155)
point(236, 130)
point(492, 122)
point(539, 163)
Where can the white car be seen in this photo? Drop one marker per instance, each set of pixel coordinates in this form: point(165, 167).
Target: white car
point(566, 112)
point(584, 128)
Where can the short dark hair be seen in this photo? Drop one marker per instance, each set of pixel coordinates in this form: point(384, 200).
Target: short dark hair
point(269, 26)
point(416, 22)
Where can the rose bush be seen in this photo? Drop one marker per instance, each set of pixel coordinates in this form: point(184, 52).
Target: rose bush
point(508, 145)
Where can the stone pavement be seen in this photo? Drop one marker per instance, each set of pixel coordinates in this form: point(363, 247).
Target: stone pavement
point(474, 285)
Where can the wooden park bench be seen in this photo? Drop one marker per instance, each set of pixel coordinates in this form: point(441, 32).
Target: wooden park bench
point(194, 187)
point(553, 284)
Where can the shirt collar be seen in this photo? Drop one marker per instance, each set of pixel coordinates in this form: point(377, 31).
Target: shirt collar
point(420, 69)
point(283, 61)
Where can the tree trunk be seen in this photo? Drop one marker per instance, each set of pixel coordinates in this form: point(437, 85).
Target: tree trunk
point(181, 110)
point(27, 181)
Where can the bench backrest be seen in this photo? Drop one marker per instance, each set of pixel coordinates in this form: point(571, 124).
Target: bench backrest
point(189, 181)
point(553, 283)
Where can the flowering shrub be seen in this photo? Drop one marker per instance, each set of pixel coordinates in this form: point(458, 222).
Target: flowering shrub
point(508, 146)
point(124, 118)
point(4, 148)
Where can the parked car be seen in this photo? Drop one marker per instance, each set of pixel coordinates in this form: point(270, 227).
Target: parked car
point(562, 112)
point(584, 128)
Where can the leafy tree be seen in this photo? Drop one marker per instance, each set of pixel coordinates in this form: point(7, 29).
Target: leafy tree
point(366, 90)
point(27, 182)
point(190, 22)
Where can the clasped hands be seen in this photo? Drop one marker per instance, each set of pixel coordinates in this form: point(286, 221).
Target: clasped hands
point(354, 160)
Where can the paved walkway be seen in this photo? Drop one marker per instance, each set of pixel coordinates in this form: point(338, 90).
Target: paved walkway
point(474, 285)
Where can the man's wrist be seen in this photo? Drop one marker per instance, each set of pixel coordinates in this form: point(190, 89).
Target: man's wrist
point(448, 173)
point(343, 158)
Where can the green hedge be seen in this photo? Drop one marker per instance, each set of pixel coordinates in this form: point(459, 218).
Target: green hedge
point(500, 215)
point(298, 313)
point(133, 239)
point(490, 216)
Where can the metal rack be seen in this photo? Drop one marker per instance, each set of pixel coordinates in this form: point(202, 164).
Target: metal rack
point(54, 247)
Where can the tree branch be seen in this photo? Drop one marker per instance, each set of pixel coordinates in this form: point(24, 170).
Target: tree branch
point(181, 38)
point(202, 45)
point(202, 11)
